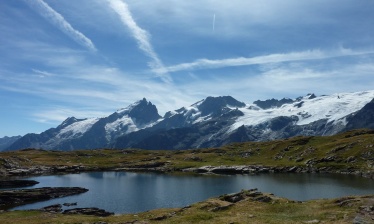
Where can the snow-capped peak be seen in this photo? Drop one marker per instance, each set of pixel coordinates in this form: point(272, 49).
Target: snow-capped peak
point(68, 121)
point(132, 106)
point(136, 116)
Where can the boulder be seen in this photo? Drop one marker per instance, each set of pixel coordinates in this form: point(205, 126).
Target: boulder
point(233, 198)
point(263, 198)
point(70, 204)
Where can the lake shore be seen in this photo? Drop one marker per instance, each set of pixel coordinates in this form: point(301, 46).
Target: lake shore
point(347, 153)
point(12, 198)
point(247, 206)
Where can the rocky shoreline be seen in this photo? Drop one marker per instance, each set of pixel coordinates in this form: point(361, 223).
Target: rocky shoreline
point(57, 208)
point(249, 169)
point(13, 198)
point(165, 168)
point(17, 183)
point(43, 170)
point(253, 169)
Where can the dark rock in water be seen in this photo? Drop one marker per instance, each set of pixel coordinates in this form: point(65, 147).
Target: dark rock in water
point(12, 198)
point(88, 211)
point(70, 204)
point(57, 208)
point(17, 183)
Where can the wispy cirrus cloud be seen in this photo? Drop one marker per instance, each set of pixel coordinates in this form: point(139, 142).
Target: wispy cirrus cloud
point(141, 36)
point(59, 21)
point(57, 114)
point(271, 58)
point(42, 74)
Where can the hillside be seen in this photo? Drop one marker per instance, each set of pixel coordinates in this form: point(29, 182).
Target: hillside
point(349, 152)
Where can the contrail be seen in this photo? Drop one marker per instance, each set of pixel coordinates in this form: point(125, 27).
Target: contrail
point(141, 36)
point(214, 22)
point(266, 59)
point(58, 20)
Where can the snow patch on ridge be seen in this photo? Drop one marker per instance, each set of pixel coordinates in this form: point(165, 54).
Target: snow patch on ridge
point(77, 128)
point(130, 107)
point(118, 125)
point(125, 125)
point(201, 119)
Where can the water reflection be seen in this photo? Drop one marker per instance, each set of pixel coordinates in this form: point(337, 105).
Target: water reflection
point(123, 192)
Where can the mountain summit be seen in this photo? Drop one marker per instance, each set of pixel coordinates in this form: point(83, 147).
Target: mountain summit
point(211, 122)
point(217, 105)
point(143, 112)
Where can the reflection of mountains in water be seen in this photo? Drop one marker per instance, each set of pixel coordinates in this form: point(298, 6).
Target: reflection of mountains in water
point(327, 179)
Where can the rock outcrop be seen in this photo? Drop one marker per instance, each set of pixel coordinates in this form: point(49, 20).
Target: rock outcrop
point(17, 183)
point(88, 211)
point(12, 198)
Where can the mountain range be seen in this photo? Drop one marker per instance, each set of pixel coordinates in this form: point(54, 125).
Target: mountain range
point(211, 122)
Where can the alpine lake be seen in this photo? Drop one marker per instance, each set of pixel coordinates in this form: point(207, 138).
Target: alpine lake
point(128, 192)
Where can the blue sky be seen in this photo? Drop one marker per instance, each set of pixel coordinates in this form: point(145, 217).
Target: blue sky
point(88, 58)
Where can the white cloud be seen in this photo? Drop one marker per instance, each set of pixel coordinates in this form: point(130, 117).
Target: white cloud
point(141, 36)
point(57, 114)
point(59, 21)
point(42, 74)
point(272, 58)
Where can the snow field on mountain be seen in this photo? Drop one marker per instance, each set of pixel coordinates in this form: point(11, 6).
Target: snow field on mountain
point(120, 123)
point(77, 128)
point(333, 108)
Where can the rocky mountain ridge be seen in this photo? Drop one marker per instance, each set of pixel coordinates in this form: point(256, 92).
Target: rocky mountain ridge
point(211, 122)
point(6, 141)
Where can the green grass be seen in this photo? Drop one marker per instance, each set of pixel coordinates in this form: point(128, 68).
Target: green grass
point(279, 210)
point(357, 145)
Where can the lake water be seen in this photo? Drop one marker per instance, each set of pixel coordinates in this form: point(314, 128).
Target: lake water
point(126, 192)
